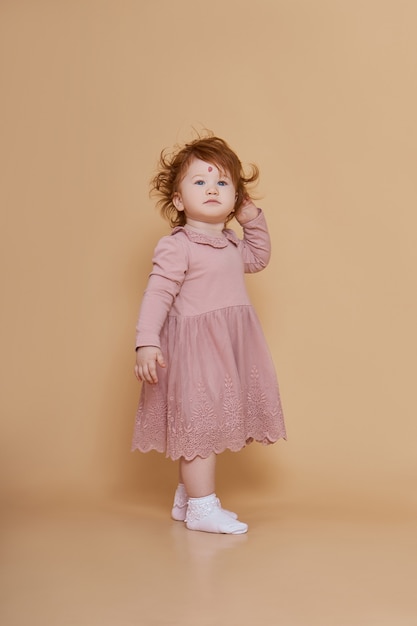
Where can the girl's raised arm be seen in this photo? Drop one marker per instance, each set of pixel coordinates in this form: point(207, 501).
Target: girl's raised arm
point(255, 247)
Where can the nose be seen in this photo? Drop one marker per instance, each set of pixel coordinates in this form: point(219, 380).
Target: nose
point(212, 190)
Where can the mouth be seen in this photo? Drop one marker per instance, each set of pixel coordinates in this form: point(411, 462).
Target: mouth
point(212, 201)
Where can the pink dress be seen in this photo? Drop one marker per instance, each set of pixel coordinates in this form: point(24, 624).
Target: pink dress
point(219, 388)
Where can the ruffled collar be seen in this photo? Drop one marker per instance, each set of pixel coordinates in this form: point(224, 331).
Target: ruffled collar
point(196, 236)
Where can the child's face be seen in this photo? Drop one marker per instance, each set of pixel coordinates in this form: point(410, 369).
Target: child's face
point(206, 195)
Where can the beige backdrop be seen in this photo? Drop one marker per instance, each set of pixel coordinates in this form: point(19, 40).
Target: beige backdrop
point(322, 96)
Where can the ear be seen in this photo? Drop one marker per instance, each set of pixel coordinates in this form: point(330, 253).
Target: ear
point(177, 202)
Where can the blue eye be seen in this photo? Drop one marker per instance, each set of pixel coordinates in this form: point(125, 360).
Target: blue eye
point(223, 183)
point(199, 182)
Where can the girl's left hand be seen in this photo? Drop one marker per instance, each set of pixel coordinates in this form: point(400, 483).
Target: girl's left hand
point(247, 211)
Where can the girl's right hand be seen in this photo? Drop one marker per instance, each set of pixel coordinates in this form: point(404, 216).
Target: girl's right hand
point(146, 359)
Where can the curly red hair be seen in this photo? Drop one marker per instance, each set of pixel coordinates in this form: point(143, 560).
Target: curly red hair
point(173, 166)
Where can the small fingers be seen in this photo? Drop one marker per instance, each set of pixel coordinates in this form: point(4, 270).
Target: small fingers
point(147, 359)
point(146, 373)
point(150, 373)
point(160, 359)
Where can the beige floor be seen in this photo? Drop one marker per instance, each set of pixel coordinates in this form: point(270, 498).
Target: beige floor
point(116, 564)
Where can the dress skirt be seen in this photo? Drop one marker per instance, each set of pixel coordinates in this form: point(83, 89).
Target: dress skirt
point(218, 390)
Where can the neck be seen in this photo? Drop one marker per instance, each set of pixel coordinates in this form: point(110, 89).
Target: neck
point(211, 229)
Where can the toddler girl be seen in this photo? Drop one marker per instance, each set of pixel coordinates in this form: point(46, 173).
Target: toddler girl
point(208, 378)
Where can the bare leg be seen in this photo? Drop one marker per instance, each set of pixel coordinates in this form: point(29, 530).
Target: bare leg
point(199, 475)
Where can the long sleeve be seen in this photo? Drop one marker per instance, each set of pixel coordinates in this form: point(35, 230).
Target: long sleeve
point(255, 247)
point(170, 264)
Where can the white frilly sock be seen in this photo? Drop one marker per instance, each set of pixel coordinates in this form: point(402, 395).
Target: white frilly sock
point(179, 508)
point(205, 514)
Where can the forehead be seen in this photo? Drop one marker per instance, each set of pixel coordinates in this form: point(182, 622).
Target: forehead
point(197, 167)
